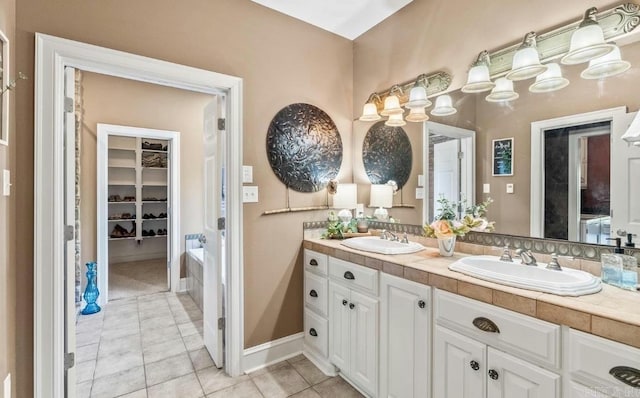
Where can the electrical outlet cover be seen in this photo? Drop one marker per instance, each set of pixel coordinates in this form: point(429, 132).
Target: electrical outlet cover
point(419, 193)
point(509, 188)
point(250, 194)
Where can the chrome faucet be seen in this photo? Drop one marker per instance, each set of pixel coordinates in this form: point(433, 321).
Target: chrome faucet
point(527, 257)
point(393, 237)
point(383, 234)
point(506, 254)
point(554, 264)
point(405, 238)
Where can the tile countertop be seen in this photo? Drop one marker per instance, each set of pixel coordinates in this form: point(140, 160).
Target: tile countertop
point(612, 313)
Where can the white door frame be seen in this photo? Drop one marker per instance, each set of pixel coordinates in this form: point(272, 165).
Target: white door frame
point(467, 163)
point(173, 253)
point(536, 228)
point(52, 55)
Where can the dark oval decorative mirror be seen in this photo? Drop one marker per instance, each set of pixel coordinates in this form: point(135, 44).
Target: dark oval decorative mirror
point(387, 155)
point(304, 147)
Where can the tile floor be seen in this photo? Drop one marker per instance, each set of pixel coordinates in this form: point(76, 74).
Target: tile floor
point(151, 346)
point(135, 278)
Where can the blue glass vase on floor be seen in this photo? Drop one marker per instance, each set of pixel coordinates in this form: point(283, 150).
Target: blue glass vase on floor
point(91, 292)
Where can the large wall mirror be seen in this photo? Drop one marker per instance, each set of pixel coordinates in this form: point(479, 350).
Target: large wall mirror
point(572, 176)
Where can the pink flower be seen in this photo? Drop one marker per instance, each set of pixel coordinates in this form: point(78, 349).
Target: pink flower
point(442, 229)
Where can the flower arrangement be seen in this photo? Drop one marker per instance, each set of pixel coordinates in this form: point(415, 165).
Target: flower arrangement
point(447, 224)
point(337, 228)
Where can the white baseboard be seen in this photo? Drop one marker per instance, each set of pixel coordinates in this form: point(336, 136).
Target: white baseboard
point(272, 352)
point(183, 285)
point(321, 363)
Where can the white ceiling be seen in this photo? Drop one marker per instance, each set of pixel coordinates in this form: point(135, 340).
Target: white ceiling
point(347, 18)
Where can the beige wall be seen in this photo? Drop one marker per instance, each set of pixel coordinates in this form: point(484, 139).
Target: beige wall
point(281, 60)
point(113, 100)
point(8, 264)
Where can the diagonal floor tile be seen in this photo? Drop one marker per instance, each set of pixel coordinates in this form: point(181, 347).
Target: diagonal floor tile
point(336, 387)
point(201, 359)
point(308, 393)
point(245, 389)
point(184, 387)
point(121, 345)
point(167, 369)
point(163, 350)
point(119, 383)
point(213, 379)
point(117, 363)
point(280, 383)
point(159, 335)
point(309, 371)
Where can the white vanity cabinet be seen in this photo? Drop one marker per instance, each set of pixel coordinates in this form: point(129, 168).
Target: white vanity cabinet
point(601, 367)
point(353, 323)
point(405, 338)
point(484, 351)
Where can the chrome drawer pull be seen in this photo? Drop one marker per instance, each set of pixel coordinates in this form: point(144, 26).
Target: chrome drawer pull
point(486, 325)
point(313, 293)
point(627, 375)
point(349, 275)
point(313, 262)
point(313, 332)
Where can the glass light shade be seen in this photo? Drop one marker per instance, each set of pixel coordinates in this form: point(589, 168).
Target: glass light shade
point(503, 91)
point(346, 197)
point(417, 98)
point(444, 106)
point(478, 80)
point(381, 196)
point(370, 113)
point(633, 132)
point(551, 80)
point(606, 66)
point(526, 64)
point(395, 120)
point(391, 106)
point(417, 115)
point(587, 43)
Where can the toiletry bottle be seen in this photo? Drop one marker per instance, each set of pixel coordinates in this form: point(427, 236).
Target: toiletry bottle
point(619, 269)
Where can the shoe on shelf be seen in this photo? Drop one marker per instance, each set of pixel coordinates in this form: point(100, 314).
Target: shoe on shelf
point(119, 232)
point(162, 215)
point(126, 216)
point(145, 232)
point(151, 199)
point(115, 198)
point(129, 198)
point(133, 230)
point(151, 233)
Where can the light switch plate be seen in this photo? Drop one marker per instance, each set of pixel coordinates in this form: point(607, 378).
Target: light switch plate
point(247, 174)
point(7, 386)
point(6, 182)
point(486, 188)
point(419, 193)
point(250, 194)
point(509, 188)
point(420, 180)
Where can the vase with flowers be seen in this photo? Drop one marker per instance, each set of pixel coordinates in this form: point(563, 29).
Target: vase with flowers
point(455, 219)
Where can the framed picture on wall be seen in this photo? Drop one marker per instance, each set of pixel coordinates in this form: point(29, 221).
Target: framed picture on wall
point(5, 84)
point(502, 150)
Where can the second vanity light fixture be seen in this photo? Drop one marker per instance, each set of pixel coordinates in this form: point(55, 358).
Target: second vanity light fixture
point(575, 43)
point(412, 95)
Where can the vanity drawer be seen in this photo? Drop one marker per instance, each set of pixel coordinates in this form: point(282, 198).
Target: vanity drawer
point(316, 262)
point(316, 289)
point(316, 332)
point(592, 359)
point(517, 334)
point(354, 275)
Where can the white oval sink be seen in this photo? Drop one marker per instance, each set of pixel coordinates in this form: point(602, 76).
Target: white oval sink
point(568, 282)
point(376, 245)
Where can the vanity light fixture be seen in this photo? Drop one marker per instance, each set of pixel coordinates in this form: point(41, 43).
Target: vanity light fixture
point(526, 61)
point(444, 106)
point(392, 103)
point(478, 79)
point(395, 120)
point(503, 91)
point(632, 135)
point(587, 42)
point(417, 115)
point(606, 66)
point(370, 109)
point(418, 94)
point(551, 80)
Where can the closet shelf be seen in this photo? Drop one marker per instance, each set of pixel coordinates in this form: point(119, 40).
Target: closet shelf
point(124, 238)
point(123, 202)
point(113, 148)
point(154, 151)
point(154, 184)
point(117, 166)
point(121, 219)
point(153, 201)
point(122, 183)
point(154, 168)
point(154, 219)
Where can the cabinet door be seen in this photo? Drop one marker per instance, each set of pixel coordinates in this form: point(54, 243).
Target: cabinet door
point(580, 391)
point(364, 342)
point(459, 366)
point(404, 339)
point(339, 319)
point(512, 377)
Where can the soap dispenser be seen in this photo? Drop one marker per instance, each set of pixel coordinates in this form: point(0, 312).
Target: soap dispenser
point(619, 269)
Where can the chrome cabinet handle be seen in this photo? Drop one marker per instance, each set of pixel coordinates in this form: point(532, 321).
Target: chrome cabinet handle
point(313, 332)
point(422, 304)
point(486, 325)
point(313, 262)
point(349, 275)
point(313, 293)
point(493, 374)
point(474, 365)
point(344, 302)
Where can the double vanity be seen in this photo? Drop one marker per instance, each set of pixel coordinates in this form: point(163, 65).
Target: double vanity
point(407, 325)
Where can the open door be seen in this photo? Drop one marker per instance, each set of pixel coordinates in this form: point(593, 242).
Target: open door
point(446, 170)
point(70, 222)
point(625, 168)
point(212, 239)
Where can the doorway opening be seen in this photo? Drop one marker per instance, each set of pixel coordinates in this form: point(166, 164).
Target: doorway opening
point(55, 310)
